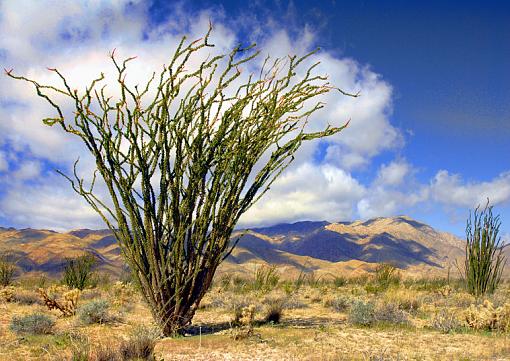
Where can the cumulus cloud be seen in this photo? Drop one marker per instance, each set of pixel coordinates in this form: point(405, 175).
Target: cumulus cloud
point(49, 205)
point(450, 189)
point(393, 191)
point(309, 192)
point(75, 37)
point(393, 173)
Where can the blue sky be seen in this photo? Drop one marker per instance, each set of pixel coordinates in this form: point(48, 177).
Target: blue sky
point(429, 137)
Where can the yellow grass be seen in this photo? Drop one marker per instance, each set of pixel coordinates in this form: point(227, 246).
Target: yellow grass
point(311, 330)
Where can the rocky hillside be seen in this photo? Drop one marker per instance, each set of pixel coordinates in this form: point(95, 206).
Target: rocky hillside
point(328, 248)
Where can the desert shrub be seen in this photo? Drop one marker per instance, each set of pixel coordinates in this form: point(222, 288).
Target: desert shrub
point(60, 298)
point(426, 284)
point(7, 271)
point(101, 280)
point(339, 281)
point(34, 324)
point(485, 260)
point(362, 313)
point(78, 272)
point(34, 282)
point(266, 278)
point(96, 311)
point(7, 294)
point(248, 315)
point(140, 344)
point(294, 303)
point(313, 280)
point(445, 291)
point(246, 322)
point(386, 275)
point(405, 299)
point(488, 317)
point(314, 295)
point(273, 309)
point(104, 352)
point(213, 300)
point(237, 304)
point(338, 303)
point(445, 321)
point(390, 313)
point(462, 299)
point(90, 294)
point(359, 280)
point(299, 281)
point(27, 298)
point(122, 293)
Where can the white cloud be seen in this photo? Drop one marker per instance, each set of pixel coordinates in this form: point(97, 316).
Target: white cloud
point(75, 37)
point(50, 205)
point(308, 192)
point(393, 173)
point(450, 189)
point(27, 170)
point(393, 191)
point(4, 165)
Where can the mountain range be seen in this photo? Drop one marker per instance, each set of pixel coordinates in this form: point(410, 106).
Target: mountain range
point(342, 248)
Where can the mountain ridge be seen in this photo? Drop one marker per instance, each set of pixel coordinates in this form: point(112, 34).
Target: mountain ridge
point(325, 247)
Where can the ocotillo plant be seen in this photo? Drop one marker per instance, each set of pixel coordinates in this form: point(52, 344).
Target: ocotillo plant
point(182, 159)
point(484, 261)
point(78, 271)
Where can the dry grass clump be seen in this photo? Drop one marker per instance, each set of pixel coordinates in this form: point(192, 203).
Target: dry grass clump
point(488, 317)
point(21, 296)
point(445, 321)
point(140, 345)
point(390, 313)
point(25, 297)
point(405, 299)
point(314, 295)
point(339, 303)
point(462, 299)
point(273, 308)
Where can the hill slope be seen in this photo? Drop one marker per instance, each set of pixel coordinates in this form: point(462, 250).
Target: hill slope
point(328, 248)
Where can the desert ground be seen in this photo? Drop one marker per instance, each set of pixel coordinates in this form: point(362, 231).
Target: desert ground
point(264, 317)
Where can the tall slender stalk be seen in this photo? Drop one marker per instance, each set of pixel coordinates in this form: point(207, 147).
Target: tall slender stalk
point(178, 157)
point(485, 260)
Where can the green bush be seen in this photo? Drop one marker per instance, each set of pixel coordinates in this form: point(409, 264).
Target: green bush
point(95, 312)
point(266, 278)
point(7, 270)
point(35, 324)
point(340, 281)
point(386, 275)
point(362, 313)
point(78, 272)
